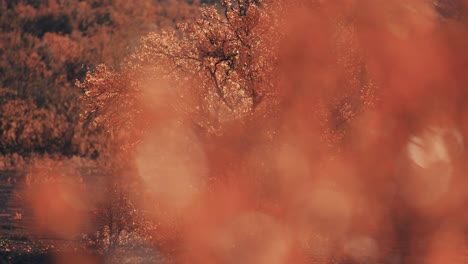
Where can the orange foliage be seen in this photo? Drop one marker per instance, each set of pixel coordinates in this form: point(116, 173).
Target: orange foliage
point(290, 132)
point(46, 45)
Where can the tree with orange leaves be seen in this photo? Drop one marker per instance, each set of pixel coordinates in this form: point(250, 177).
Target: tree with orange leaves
point(217, 70)
point(228, 54)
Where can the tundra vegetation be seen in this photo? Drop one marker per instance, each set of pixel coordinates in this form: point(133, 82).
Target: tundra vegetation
point(238, 131)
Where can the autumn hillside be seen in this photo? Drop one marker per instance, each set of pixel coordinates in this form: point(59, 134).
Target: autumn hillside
point(45, 47)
